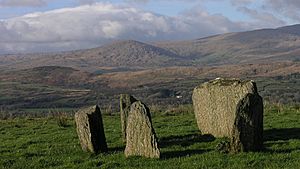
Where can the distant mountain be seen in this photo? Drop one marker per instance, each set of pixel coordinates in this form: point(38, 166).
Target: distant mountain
point(126, 54)
point(120, 54)
point(258, 46)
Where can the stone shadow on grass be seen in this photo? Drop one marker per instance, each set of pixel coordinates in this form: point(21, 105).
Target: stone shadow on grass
point(281, 134)
point(116, 149)
point(184, 153)
point(185, 140)
point(278, 151)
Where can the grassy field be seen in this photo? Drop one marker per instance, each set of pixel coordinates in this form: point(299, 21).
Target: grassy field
point(42, 143)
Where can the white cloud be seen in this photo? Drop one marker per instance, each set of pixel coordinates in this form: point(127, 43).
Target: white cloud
point(86, 1)
point(242, 2)
point(22, 3)
point(262, 18)
point(286, 8)
point(98, 23)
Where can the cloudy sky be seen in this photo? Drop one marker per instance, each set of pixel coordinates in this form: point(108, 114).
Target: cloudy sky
point(58, 25)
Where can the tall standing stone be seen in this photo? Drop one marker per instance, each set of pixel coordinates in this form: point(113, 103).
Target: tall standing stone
point(141, 139)
point(230, 108)
point(247, 133)
point(90, 130)
point(126, 101)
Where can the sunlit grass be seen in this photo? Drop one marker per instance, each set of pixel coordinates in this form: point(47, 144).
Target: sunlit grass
point(42, 143)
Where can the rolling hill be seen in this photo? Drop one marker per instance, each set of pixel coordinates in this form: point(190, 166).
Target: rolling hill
point(120, 54)
point(258, 46)
point(53, 86)
point(47, 75)
point(70, 77)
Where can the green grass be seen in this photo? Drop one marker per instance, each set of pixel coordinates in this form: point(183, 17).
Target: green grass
point(42, 143)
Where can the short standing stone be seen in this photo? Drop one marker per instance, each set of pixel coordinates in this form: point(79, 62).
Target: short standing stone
point(247, 133)
point(141, 138)
point(90, 130)
point(126, 101)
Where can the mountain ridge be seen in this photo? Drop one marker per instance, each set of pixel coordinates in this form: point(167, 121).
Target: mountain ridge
point(257, 46)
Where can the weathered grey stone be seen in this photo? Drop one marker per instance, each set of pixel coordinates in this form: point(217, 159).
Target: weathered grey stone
point(90, 130)
point(215, 105)
point(126, 101)
point(141, 139)
point(247, 132)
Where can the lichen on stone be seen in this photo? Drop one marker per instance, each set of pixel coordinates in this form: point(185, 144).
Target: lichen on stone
point(90, 130)
point(217, 105)
point(141, 138)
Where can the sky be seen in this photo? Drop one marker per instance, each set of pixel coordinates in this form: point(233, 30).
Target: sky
point(59, 25)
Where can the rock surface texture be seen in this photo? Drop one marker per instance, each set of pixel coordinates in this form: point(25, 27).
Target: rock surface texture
point(247, 132)
point(126, 101)
point(141, 139)
point(90, 130)
point(230, 108)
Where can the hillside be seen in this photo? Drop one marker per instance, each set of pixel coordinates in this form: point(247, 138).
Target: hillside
point(47, 75)
point(69, 77)
point(258, 46)
point(60, 87)
point(177, 74)
point(120, 54)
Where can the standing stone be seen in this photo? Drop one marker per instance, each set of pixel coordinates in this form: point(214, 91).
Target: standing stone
point(247, 133)
point(141, 138)
point(216, 106)
point(126, 101)
point(90, 130)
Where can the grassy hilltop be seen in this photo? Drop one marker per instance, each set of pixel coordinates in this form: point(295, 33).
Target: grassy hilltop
point(52, 143)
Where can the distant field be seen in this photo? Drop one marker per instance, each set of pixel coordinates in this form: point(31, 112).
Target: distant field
point(16, 95)
point(21, 98)
point(42, 143)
